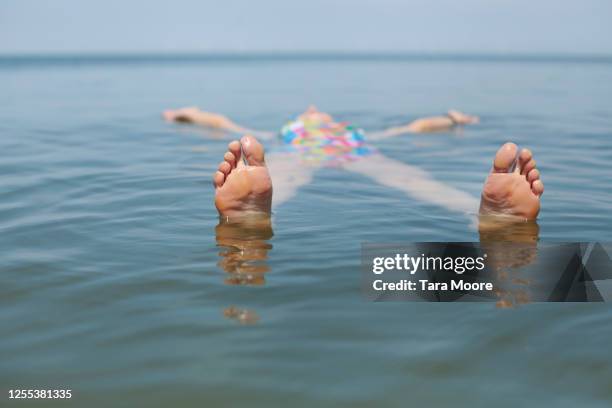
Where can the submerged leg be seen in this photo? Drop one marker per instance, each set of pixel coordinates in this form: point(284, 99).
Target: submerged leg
point(288, 175)
point(415, 182)
point(514, 194)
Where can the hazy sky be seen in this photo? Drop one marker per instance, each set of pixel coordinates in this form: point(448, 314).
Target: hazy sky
point(351, 25)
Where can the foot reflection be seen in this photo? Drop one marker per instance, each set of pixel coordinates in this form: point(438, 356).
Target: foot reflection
point(510, 245)
point(243, 256)
point(244, 250)
point(242, 316)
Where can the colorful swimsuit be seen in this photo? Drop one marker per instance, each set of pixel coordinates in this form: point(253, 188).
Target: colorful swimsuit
point(323, 142)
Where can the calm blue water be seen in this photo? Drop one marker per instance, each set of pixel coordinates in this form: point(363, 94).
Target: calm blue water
point(114, 284)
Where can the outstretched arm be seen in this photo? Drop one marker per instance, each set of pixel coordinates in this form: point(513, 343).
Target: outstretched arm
point(429, 124)
point(211, 120)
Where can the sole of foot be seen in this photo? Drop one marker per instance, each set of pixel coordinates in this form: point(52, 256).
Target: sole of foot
point(243, 190)
point(512, 193)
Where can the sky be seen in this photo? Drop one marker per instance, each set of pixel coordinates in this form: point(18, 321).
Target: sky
point(471, 26)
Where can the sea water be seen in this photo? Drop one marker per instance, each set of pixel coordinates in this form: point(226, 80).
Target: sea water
point(116, 282)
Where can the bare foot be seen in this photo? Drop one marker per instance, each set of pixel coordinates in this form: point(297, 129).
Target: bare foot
point(461, 118)
point(516, 193)
point(240, 189)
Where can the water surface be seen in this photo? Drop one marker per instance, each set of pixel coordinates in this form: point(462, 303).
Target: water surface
point(113, 282)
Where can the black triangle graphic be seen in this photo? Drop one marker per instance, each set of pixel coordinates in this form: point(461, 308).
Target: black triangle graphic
point(599, 264)
point(566, 290)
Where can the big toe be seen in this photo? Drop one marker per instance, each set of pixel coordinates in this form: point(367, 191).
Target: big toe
point(504, 158)
point(253, 150)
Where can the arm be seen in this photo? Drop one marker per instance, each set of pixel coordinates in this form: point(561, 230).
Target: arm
point(211, 120)
point(429, 124)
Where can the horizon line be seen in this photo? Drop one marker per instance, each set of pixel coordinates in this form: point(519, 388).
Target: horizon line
point(306, 51)
point(285, 55)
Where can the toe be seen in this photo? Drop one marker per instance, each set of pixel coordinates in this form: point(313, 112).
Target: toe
point(504, 158)
point(533, 175)
point(230, 159)
point(537, 187)
point(530, 165)
point(225, 167)
point(218, 179)
point(524, 157)
point(253, 150)
point(234, 148)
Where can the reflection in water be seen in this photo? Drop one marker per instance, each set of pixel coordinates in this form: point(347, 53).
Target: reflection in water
point(244, 250)
point(242, 316)
point(510, 246)
point(243, 255)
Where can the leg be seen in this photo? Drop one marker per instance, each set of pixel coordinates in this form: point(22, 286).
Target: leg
point(516, 195)
point(413, 181)
point(288, 175)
